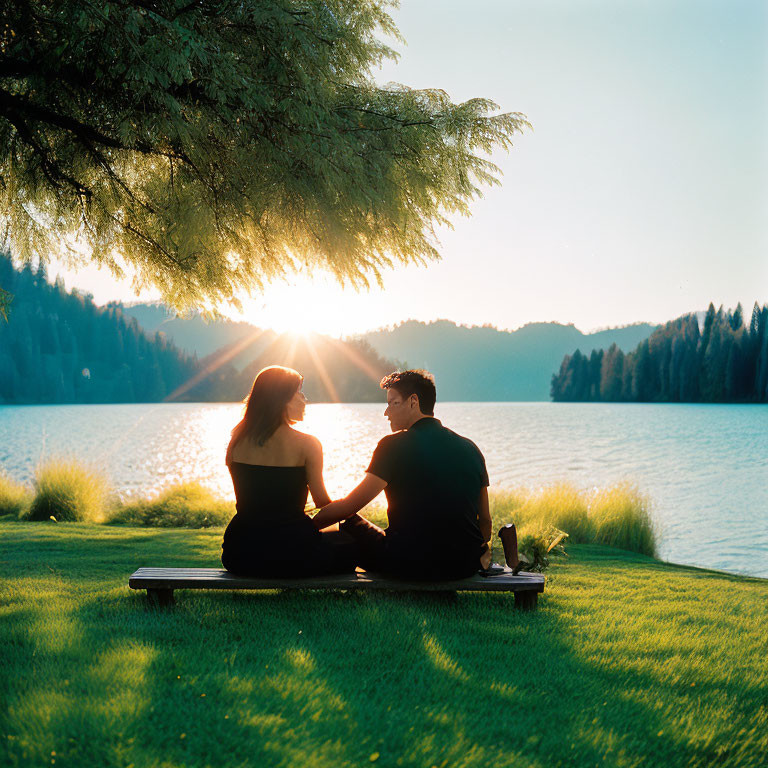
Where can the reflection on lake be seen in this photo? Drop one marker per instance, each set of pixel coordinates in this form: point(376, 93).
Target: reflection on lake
point(704, 466)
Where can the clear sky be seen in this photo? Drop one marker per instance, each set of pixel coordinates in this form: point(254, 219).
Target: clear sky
point(641, 193)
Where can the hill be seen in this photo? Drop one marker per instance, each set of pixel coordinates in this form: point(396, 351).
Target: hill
point(515, 365)
point(486, 364)
point(234, 352)
point(334, 371)
point(193, 333)
point(59, 347)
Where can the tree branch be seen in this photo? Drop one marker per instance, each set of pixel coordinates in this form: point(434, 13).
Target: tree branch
point(50, 168)
point(80, 129)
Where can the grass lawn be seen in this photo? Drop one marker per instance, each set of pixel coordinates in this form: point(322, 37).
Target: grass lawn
point(627, 661)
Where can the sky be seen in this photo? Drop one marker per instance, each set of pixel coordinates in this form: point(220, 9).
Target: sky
point(640, 194)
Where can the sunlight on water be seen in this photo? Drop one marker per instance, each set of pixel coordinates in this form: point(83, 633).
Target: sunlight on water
point(705, 467)
point(349, 434)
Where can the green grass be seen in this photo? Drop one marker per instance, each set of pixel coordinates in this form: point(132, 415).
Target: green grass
point(68, 491)
point(627, 662)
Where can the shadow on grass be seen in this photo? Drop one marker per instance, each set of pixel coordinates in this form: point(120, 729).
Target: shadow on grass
point(272, 679)
point(320, 679)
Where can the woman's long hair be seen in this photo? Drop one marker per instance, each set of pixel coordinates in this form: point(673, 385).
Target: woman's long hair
point(265, 408)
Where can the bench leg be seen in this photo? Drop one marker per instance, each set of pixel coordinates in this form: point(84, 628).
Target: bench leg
point(160, 598)
point(526, 601)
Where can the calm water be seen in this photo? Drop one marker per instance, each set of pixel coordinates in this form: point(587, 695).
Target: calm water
point(704, 467)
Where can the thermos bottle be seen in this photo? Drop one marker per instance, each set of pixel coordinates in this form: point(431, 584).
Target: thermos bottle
point(508, 536)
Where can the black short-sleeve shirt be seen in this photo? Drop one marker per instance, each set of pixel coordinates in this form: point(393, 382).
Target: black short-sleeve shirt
point(434, 478)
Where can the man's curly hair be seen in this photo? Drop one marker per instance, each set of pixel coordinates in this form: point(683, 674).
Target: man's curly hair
point(419, 383)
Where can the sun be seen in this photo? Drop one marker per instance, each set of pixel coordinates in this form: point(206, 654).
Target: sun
point(304, 306)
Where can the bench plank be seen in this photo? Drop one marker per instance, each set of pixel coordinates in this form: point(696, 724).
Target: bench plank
point(218, 578)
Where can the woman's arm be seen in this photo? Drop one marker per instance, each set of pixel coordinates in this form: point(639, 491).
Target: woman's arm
point(368, 490)
point(314, 466)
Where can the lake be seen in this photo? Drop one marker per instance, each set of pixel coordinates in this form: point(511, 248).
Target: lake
point(705, 467)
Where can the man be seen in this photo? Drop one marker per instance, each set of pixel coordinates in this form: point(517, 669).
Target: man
point(436, 485)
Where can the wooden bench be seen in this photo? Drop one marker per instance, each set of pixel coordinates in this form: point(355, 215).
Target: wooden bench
point(161, 582)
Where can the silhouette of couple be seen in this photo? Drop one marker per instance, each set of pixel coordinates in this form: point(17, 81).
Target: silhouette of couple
point(435, 482)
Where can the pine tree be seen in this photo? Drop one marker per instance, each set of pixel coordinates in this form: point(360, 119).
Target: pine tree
point(560, 389)
point(712, 382)
point(761, 365)
point(611, 374)
point(7, 280)
point(592, 393)
point(49, 341)
point(643, 376)
point(9, 379)
point(709, 320)
point(737, 318)
point(732, 384)
point(58, 347)
point(727, 362)
point(122, 387)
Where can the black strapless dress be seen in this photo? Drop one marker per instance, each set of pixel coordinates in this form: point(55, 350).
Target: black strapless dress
point(271, 535)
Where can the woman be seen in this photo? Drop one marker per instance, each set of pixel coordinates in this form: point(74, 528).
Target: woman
point(272, 467)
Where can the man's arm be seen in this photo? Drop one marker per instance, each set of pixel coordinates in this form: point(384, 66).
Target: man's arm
point(486, 526)
point(314, 466)
point(368, 490)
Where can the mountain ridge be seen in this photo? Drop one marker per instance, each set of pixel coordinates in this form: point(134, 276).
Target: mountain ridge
point(509, 365)
point(483, 363)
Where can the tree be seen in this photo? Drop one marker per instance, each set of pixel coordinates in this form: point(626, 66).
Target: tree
point(736, 319)
point(595, 366)
point(761, 363)
point(611, 374)
point(677, 363)
point(212, 145)
point(642, 382)
point(560, 387)
point(7, 277)
point(9, 378)
point(709, 320)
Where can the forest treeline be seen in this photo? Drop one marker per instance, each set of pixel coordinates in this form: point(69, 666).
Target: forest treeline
point(722, 360)
point(59, 347)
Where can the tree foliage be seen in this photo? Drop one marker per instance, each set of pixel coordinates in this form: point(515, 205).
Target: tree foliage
point(724, 361)
point(212, 145)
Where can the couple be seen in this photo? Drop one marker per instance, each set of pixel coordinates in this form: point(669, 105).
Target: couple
point(435, 482)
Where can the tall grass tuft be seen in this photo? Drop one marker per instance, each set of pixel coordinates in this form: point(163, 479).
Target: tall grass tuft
point(622, 519)
point(68, 491)
point(14, 498)
point(618, 516)
point(561, 506)
point(186, 505)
